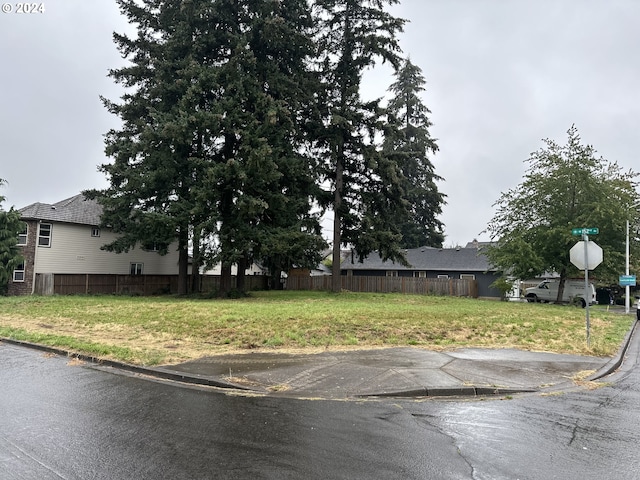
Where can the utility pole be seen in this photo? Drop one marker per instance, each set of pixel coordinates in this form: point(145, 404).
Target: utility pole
point(626, 272)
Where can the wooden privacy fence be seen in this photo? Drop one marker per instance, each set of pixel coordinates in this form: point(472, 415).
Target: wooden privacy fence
point(211, 283)
point(73, 284)
point(419, 286)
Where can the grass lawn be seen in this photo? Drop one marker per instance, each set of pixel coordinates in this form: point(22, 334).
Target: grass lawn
point(161, 330)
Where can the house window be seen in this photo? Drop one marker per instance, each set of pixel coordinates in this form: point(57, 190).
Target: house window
point(420, 274)
point(154, 246)
point(44, 239)
point(95, 232)
point(445, 277)
point(136, 268)
point(467, 276)
point(22, 234)
point(18, 273)
point(392, 273)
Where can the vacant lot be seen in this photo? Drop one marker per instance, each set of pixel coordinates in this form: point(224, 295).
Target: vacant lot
point(160, 330)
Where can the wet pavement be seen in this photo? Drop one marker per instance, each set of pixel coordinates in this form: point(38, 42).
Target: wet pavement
point(392, 372)
point(63, 418)
point(401, 372)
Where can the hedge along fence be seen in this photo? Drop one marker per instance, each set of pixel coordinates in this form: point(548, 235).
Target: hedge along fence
point(419, 286)
point(74, 284)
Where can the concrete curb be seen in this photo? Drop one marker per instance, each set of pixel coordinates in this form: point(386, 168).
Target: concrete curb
point(610, 367)
point(616, 361)
point(162, 373)
point(451, 392)
point(195, 379)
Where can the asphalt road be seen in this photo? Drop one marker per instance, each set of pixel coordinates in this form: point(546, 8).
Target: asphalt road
point(59, 420)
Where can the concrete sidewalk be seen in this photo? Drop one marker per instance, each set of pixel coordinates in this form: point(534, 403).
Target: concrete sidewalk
point(400, 372)
point(390, 372)
point(397, 371)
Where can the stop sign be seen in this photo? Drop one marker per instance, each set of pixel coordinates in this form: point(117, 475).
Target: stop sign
point(594, 255)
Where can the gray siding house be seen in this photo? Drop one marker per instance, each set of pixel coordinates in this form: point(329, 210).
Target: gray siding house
point(429, 262)
point(65, 238)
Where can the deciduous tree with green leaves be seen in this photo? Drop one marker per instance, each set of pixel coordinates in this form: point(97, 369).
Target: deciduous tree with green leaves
point(10, 256)
point(564, 187)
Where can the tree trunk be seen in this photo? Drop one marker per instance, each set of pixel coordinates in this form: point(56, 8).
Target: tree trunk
point(183, 263)
point(563, 277)
point(225, 279)
point(275, 279)
point(336, 284)
point(240, 276)
point(195, 265)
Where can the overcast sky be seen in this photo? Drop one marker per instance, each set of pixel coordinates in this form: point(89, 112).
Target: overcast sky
point(501, 76)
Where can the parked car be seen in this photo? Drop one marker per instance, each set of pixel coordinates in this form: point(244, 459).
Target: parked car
point(574, 291)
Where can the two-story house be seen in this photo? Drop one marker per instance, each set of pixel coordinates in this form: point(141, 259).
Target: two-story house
point(65, 238)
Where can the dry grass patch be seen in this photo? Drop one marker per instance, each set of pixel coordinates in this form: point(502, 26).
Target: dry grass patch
point(279, 388)
point(580, 379)
point(75, 362)
point(169, 329)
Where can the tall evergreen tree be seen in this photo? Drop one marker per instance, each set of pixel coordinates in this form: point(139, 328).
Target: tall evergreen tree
point(10, 256)
point(158, 151)
point(259, 182)
point(353, 35)
point(209, 139)
point(409, 145)
point(290, 236)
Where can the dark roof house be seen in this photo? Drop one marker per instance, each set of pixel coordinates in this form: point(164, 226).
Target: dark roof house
point(65, 238)
point(429, 262)
point(77, 209)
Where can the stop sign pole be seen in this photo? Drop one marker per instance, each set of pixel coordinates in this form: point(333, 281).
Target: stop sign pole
point(595, 262)
point(585, 239)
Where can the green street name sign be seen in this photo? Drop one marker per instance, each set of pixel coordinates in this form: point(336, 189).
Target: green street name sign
point(585, 231)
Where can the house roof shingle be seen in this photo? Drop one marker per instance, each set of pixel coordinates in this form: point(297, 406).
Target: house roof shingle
point(426, 258)
point(77, 209)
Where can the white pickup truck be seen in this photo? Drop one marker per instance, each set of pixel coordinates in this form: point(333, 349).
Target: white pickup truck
point(547, 291)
